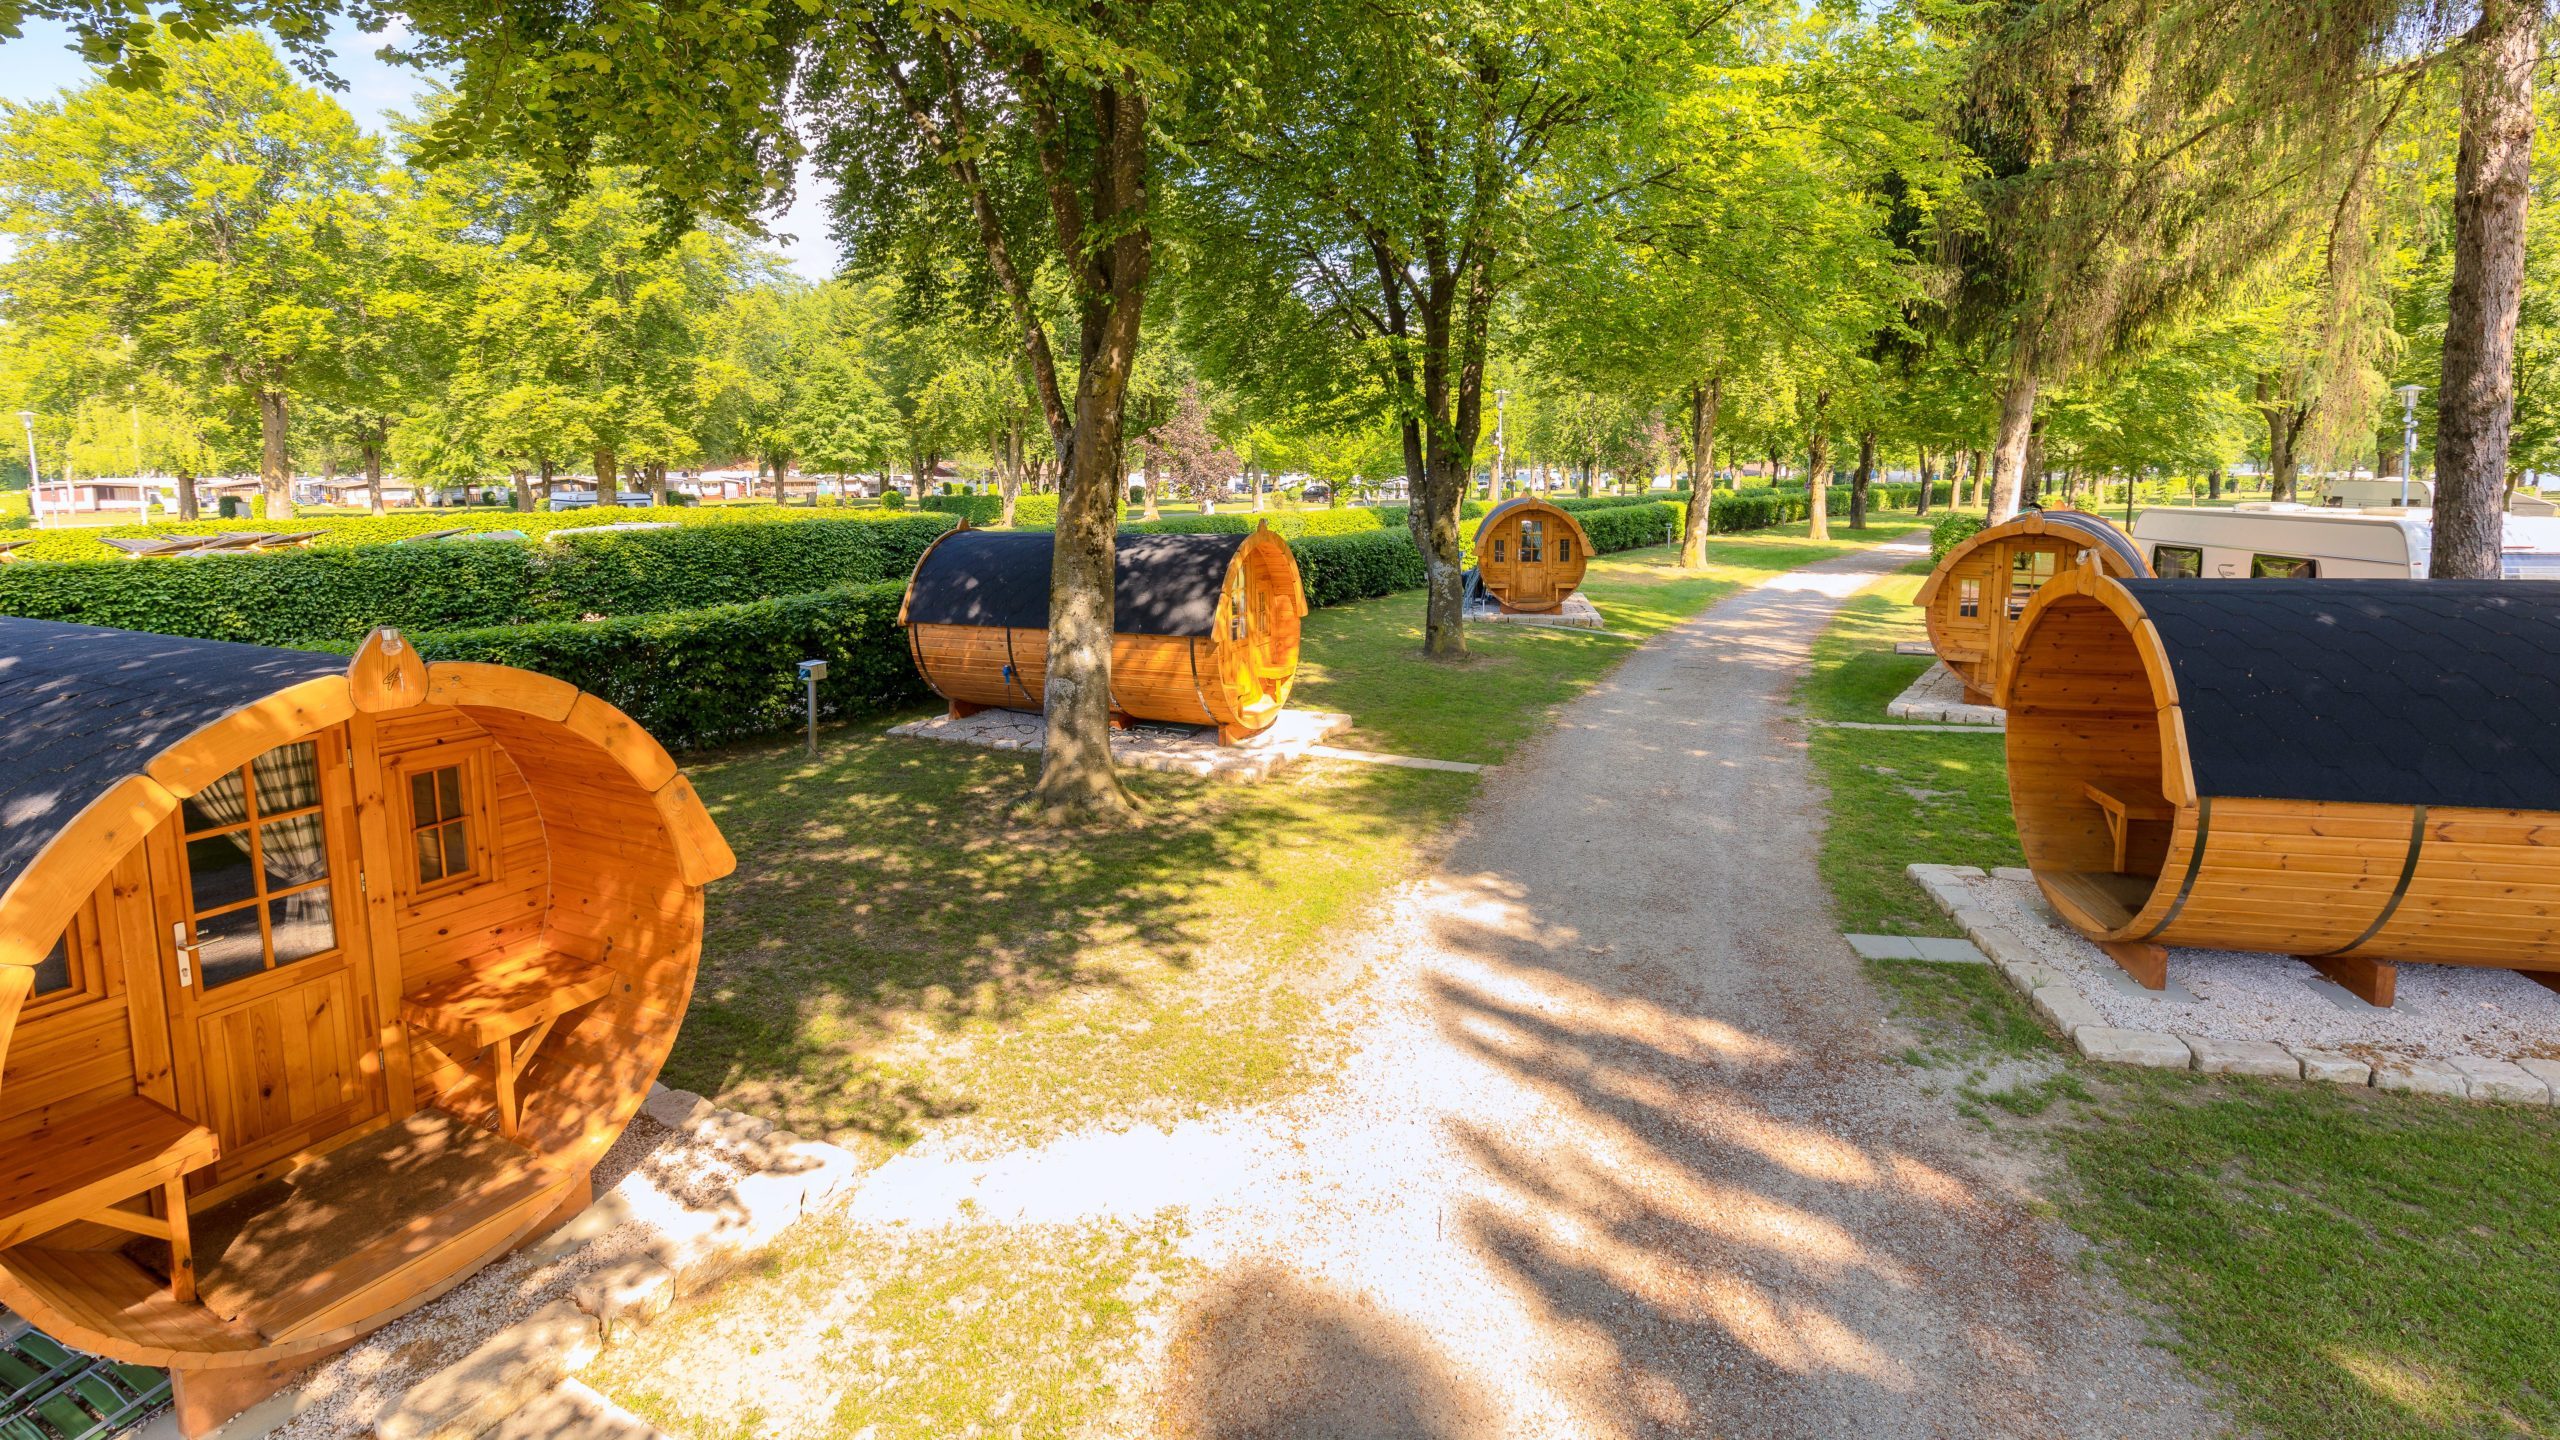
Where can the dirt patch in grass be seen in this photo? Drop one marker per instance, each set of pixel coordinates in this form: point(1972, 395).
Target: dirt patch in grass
point(887, 1333)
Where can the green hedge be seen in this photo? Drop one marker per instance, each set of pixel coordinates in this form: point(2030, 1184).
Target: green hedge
point(1338, 569)
point(336, 594)
point(346, 530)
point(1951, 532)
point(1030, 512)
point(701, 677)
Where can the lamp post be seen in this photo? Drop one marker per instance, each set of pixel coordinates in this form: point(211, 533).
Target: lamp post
point(2408, 438)
point(35, 488)
point(1501, 454)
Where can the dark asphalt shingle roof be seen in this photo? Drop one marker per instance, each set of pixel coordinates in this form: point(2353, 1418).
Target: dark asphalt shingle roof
point(1161, 584)
point(2389, 692)
point(2102, 530)
point(82, 707)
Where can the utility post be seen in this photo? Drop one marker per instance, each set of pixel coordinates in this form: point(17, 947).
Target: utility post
point(35, 483)
point(2408, 438)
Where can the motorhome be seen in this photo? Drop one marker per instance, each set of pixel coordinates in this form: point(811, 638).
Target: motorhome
point(2300, 542)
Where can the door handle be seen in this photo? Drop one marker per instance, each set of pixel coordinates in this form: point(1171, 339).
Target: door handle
point(186, 953)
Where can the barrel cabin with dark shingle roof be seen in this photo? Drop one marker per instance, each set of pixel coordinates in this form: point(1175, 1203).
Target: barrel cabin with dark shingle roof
point(2357, 772)
point(323, 982)
point(1974, 598)
point(1205, 626)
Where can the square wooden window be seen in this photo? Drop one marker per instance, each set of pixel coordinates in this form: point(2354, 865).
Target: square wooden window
point(1564, 548)
point(443, 796)
point(1497, 549)
point(74, 970)
point(1533, 541)
point(1969, 598)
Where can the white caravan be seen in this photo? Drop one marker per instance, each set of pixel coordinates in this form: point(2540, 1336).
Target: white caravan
point(2301, 542)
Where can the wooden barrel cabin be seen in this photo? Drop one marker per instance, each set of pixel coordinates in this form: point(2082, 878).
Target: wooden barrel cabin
point(1530, 555)
point(1206, 626)
point(1975, 597)
point(2356, 772)
point(322, 984)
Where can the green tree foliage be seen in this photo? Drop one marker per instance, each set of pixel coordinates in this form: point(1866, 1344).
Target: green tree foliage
point(217, 221)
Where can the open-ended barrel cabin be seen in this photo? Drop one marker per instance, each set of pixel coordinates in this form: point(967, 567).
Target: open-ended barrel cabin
point(1206, 626)
point(2355, 772)
point(1530, 555)
point(1974, 598)
point(322, 984)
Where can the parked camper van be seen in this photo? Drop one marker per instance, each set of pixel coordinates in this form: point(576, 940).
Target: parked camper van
point(2300, 542)
point(2357, 491)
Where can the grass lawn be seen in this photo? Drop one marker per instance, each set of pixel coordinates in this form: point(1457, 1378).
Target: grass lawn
point(897, 953)
point(2340, 1263)
point(887, 1333)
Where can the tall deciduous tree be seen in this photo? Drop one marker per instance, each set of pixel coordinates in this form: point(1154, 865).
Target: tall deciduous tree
point(1383, 200)
point(212, 219)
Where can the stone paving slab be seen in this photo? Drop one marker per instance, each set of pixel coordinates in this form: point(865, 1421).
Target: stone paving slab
point(1177, 749)
point(1576, 613)
point(1939, 695)
point(2064, 997)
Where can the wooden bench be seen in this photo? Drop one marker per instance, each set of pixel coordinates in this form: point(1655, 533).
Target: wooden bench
point(2108, 796)
point(507, 1009)
point(80, 1167)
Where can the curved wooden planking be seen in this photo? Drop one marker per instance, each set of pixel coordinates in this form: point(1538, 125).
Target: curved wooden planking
point(386, 674)
point(1503, 522)
point(1239, 683)
point(500, 687)
point(39, 904)
point(2092, 701)
point(623, 848)
point(1976, 647)
point(702, 852)
point(244, 734)
point(618, 735)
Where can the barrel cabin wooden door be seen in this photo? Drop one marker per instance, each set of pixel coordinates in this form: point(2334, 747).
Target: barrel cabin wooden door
point(270, 992)
point(1533, 578)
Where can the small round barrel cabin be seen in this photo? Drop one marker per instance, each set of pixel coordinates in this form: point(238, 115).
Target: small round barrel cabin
point(322, 984)
point(1974, 598)
point(1206, 626)
point(2355, 772)
point(1530, 555)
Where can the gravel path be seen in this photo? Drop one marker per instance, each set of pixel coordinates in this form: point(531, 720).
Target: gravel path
point(1623, 1153)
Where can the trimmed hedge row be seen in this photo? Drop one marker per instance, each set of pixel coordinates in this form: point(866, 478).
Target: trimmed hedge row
point(1030, 512)
point(1951, 532)
point(336, 594)
point(724, 672)
point(346, 530)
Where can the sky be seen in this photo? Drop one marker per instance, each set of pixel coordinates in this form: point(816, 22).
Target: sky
point(41, 63)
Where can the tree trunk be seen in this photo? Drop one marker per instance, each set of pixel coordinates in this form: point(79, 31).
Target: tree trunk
point(1009, 481)
point(523, 493)
point(373, 470)
point(657, 473)
point(1257, 475)
point(547, 478)
point(1077, 778)
point(1921, 503)
point(1817, 473)
point(2476, 401)
point(1704, 403)
point(1859, 482)
point(608, 470)
point(187, 504)
point(2213, 482)
point(2009, 452)
point(275, 470)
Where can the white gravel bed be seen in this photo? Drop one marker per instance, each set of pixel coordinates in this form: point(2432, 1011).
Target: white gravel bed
point(675, 1184)
point(2439, 1011)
